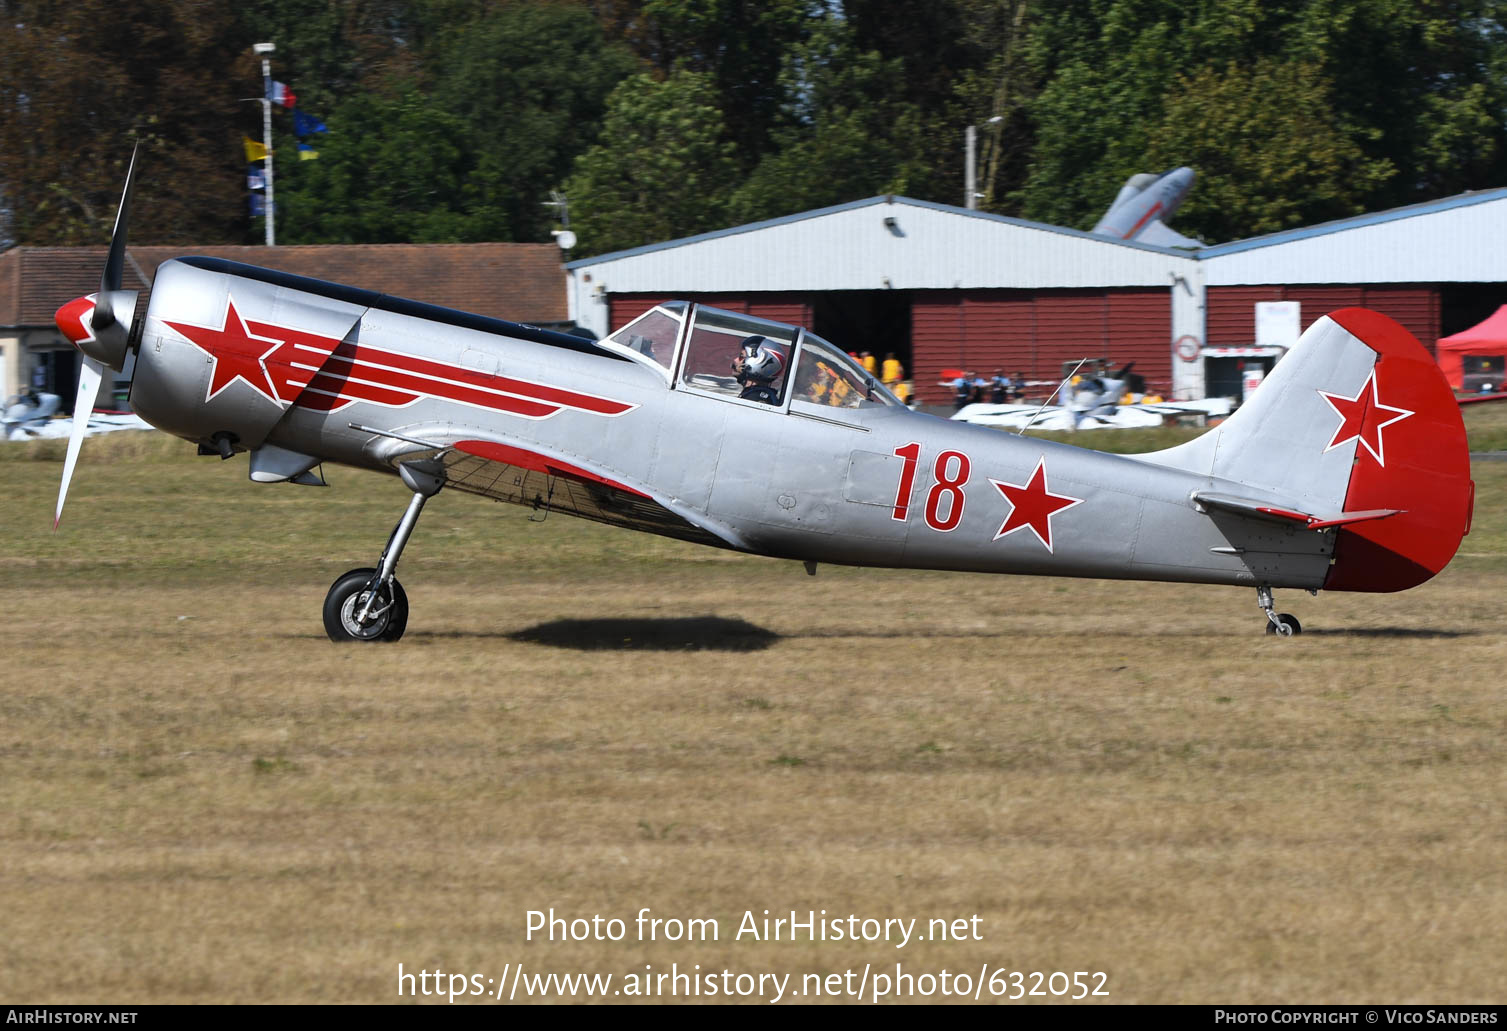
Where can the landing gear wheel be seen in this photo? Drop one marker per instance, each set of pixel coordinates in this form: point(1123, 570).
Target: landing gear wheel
point(1287, 625)
point(386, 619)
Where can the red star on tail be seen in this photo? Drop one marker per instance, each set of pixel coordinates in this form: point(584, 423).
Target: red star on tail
point(1362, 418)
point(238, 354)
point(1032, 505)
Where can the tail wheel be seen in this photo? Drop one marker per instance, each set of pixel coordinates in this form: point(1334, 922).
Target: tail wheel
point(1287, 625)
point(386, 616)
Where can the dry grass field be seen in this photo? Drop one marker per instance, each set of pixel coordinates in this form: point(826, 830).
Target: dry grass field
point(203, 800)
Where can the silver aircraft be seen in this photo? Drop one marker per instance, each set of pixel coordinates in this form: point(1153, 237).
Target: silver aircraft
point(1347, 471)
point(1143, 205)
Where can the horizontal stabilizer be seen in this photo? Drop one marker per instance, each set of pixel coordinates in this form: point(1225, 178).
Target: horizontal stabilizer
point(1266, 510)
point(1159, 234)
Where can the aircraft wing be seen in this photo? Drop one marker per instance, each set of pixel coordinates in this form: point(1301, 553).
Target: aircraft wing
point(1208, 407)
point(1158, 234)
point(1266, 510)
point(547, 483)
point(982, 408)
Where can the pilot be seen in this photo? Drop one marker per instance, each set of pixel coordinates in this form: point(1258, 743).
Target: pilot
point(757, 365)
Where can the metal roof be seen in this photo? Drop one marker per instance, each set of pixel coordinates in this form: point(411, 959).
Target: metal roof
point(753, 227)
point(1355, 222)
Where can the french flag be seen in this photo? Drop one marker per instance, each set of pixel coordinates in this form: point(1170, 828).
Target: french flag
point(281, 93)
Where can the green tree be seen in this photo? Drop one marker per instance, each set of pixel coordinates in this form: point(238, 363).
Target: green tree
point(846, 133)
point(329, 49)
point(83, 82)
point(941, 48)
point(1267, 146)
point(995, 92)
point(739, 46)
point(1413, 90)
point(662, 170)
point(390, 171)
point(530, 82)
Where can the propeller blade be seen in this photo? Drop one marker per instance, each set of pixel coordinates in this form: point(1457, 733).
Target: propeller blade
point(115, 264)
point(90, 375)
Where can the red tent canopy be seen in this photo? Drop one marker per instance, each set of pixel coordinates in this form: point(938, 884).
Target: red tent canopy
point(1486, 338)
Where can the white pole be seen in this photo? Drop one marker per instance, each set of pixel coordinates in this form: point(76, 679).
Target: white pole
point(970, 170)
point(271, 217)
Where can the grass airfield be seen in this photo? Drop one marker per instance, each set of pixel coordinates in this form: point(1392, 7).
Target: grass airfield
point(203, 800)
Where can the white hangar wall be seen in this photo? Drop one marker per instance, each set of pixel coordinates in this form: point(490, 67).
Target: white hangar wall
point(984, 290)
point(880, 243)
point(1435, 267)
point(1454, 240)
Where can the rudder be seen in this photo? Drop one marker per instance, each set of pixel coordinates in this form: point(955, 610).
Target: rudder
point(1356, 418)
point(1418, 462)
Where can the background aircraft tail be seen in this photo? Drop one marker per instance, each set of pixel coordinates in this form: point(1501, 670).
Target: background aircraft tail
point(1355, 431)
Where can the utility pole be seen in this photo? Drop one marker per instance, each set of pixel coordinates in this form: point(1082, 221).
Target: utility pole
point(271, 217)
point(970, 164)
point(970, 168)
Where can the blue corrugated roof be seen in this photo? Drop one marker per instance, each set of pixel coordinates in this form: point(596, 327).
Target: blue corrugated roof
point(851, 205)
point(1430, 207)
point(1213, 251)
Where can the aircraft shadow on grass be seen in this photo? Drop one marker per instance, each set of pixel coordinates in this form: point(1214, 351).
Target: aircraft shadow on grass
point(1418, 633)
point(699, 633)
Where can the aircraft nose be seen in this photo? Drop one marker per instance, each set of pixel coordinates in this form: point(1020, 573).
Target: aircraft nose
point(72, 320)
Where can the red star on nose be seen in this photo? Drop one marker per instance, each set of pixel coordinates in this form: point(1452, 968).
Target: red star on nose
point(238, 354)
point(1362, 418)
point(1032, 505)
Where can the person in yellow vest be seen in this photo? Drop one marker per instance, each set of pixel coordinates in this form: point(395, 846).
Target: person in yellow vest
point(839, 392)
point(869, 362)
point(823, 386)
point(894, 372)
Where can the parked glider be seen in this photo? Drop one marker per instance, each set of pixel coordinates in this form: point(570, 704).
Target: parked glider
point(1096, 402)
point(1347, 471)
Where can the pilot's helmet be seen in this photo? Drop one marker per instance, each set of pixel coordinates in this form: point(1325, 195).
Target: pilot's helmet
point(759, 360)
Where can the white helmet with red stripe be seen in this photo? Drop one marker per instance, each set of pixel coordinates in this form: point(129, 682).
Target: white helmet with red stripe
point(758, 360)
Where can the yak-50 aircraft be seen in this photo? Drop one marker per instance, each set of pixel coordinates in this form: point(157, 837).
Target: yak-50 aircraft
point(1143, 205)
point(1347, 471)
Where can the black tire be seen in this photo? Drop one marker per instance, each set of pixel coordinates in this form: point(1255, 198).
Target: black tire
point(346, 596)
point(1288, 620)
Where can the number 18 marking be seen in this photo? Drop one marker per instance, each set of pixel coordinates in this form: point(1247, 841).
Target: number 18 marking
point(950, 486)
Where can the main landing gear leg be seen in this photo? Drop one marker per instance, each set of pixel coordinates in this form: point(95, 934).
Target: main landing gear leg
point(1283, 624)
point(369, 604)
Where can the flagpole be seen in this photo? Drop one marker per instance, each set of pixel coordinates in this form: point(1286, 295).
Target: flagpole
point(271, 218)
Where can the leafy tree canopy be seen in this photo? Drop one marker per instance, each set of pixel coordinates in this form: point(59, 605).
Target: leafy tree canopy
point(663, 170)
point(453, 119)
point(1413, 101)
point(83, 82)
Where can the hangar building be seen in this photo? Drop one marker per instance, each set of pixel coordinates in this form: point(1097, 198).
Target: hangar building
point(945, 288)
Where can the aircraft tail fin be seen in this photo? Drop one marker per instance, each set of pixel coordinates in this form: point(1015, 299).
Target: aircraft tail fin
point(1356, 421)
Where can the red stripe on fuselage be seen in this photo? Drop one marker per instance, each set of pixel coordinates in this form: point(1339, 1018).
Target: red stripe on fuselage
point(308, 369)
point(444, 380)
point(1155, 208)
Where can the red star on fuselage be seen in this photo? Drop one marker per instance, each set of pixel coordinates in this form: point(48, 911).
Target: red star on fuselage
point(237, 352)
point(1362, 418)
point(1032, 505)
